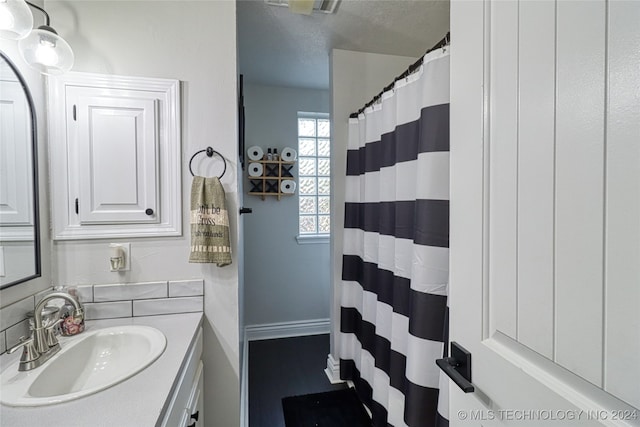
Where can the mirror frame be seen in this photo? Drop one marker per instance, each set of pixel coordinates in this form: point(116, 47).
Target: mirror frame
point(34, 176)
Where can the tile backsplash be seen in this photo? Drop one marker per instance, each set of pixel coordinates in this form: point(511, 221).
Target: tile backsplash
point(128, 291)
point(13, 320)
point(141, 299)
point(110, 301)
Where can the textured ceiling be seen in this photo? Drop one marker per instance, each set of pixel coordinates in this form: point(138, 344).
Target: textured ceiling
point(277, 47)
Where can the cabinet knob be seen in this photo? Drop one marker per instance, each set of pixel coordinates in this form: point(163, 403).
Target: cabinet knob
point(149, 211)
point(195, 416)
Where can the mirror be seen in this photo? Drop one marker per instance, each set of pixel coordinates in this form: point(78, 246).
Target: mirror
point(19, 228)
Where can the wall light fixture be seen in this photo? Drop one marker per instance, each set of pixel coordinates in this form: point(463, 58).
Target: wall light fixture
point(44, 50)
point(41, 48)
point(16, 20)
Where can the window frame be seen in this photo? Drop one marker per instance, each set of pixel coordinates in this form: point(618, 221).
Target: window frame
point(317, 236)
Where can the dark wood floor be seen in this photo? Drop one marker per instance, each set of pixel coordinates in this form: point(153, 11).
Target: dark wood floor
point(285, 367)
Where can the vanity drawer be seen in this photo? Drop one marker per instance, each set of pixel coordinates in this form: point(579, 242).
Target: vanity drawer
point(193, 415)
point(179, 401)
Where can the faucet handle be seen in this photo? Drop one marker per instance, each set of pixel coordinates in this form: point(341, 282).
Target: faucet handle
point(29, 353)
point(50, 335)
point(21, 342)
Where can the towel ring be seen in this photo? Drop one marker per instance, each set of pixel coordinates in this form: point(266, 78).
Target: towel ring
point(210, 152)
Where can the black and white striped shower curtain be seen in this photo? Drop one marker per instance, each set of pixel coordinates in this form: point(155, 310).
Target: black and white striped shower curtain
point(393, 317)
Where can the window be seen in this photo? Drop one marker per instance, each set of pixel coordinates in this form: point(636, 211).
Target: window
point(314, 170)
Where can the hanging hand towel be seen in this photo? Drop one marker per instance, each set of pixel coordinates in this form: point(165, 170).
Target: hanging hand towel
point(209, 222)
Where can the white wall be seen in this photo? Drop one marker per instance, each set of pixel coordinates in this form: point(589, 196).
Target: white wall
point(195, 42)
point(356, 77)
point(275, 290)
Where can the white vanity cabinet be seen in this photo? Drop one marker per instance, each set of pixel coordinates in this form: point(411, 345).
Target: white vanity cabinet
point(185, 405)
point(115, 156)
point(167, 393)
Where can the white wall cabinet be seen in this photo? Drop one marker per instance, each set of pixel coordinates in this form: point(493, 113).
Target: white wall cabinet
point(115, 156)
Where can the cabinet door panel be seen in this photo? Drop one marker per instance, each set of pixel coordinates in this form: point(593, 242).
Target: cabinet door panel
point(117, 143)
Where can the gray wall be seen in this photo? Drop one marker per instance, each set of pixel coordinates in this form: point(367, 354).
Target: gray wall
point(284, 281)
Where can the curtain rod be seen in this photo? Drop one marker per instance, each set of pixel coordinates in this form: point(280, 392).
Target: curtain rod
point(412, 68)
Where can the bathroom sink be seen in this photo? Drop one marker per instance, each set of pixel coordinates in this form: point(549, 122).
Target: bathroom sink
point(87, 364)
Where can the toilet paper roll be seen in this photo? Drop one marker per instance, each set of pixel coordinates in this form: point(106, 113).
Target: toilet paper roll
point(288, 155)
point(255, 153)
point(255, 169)
point(287, 186)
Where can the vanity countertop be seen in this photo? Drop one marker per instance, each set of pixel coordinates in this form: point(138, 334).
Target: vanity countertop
point(136, 402)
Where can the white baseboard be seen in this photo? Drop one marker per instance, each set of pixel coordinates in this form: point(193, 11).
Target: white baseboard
point(333, 370)
point(244, 386)
point(269, 331)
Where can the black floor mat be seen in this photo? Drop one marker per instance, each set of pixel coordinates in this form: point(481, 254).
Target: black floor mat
point(340, 408)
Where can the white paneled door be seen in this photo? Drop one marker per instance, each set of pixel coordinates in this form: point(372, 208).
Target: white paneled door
point(545, 211)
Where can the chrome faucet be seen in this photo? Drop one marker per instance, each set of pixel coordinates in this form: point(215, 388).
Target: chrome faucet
point(43, 342)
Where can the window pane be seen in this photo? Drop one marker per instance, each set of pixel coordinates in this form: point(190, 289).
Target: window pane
point(307, 205)
point(306, 147)
point(324, 186)
point(307, 166)
point(306, 127)
point(324, 206)
point(308, 186)
point(314, 172)
point(324, 147)
point(307, 224)
point(324, 128)
point(324, 167)
point(324, 224)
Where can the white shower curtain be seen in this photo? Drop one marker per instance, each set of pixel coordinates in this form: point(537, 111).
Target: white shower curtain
point(393, 320)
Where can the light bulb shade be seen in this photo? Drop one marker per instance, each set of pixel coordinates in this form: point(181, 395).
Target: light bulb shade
point(16, 19)
point(46, 51)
